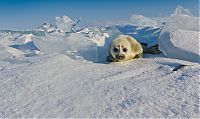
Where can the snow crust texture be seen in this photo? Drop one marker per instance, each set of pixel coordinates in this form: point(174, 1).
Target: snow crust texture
point(57, 86)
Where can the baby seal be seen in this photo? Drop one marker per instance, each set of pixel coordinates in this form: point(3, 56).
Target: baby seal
point(124, 48)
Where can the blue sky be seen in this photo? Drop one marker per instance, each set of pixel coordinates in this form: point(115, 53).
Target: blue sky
point(29, 14)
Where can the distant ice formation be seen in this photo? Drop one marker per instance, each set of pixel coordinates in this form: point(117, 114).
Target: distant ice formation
point(64, 23)
point(178, 37)
point(182, 11)
point(47, 27)
point(139, 20)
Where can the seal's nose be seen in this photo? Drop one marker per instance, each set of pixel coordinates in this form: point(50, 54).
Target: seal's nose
point(120, 57)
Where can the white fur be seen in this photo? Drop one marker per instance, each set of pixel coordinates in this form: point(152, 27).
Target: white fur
point(124, 41)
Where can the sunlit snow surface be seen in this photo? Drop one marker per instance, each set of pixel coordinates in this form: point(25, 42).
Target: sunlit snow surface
point(53, 72)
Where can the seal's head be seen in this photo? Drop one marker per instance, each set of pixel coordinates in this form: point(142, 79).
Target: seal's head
point(120, 48)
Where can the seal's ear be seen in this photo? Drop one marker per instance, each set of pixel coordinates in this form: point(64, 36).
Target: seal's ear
point(135, 46)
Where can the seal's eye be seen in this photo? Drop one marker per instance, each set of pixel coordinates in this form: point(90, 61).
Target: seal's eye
point(115, 50)
point(124, 50)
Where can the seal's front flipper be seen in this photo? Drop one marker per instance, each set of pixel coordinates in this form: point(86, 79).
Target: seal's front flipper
point(151, 50)
point(139, 55)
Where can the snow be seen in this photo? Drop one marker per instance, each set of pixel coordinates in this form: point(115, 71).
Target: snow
point(63, 74)
point(60, 87)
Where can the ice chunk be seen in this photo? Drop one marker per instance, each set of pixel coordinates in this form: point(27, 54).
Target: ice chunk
point(64, 23)
point(180, 44)
point(23, 38)
point(182, 11)
point(182, 19)
point(95, 35)
point(142, 21)
point(47, 27)
point(147, 35)
point(17, 45)
point(24, 44)
point(102, 36)
point(84, 31)
point(7, 38)
point(139, 20)
point(28, 47)
point(180, 38)
point(182, 22)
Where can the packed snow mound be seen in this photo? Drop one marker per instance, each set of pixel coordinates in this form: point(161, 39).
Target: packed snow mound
point(75, 45)
point(82, 46)
point(64, 23)
point(6, 52)
point(180, 37)
point(139, 20)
